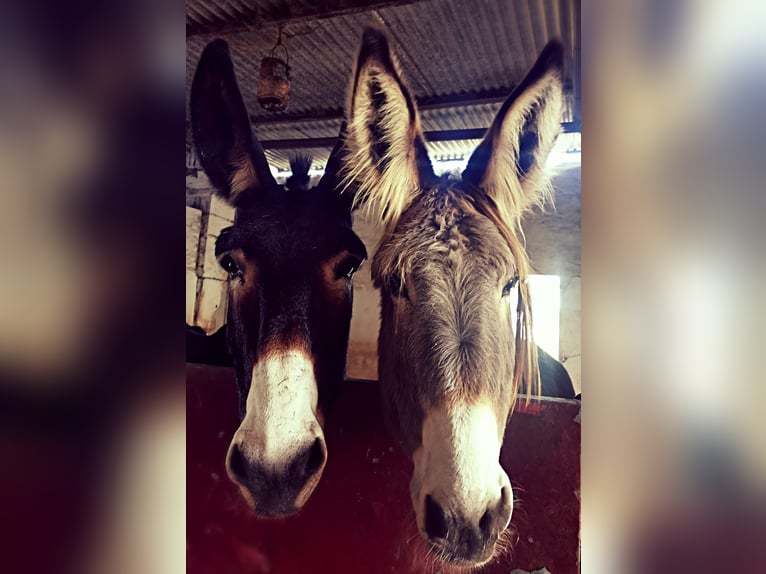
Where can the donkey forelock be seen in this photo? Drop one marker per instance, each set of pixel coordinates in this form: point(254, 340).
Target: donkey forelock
point(446, 248)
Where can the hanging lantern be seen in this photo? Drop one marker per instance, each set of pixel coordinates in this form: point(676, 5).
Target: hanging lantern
point(274, 84)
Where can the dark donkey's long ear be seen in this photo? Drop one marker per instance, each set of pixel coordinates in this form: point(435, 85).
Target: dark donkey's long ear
point(332, 183)
point(386, 159)
point(508, 164)
point(332, 169)
point(226, 146)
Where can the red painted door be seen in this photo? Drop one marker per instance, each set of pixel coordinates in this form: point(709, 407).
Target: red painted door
point(360, 518)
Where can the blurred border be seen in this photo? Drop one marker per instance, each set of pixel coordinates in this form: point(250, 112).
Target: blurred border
point(91, 248)
point(92, 416)
point(674, 460)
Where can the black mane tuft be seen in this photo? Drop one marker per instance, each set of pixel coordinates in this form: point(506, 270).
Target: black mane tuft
point(300, 166)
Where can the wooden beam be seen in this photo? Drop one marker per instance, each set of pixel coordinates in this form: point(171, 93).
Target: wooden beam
point(290, 13)
point(424, 104)
point(455, 135)
point(300, 143)
point(432, 136)
point(496, 96)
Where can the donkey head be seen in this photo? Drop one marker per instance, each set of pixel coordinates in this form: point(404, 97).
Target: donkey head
point(449, 362)
point(290, 257)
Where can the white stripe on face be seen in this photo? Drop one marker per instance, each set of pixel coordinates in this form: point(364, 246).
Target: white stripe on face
point(458, 461)
point(280, 413)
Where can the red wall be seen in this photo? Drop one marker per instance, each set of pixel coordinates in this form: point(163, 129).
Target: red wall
point(360, 518)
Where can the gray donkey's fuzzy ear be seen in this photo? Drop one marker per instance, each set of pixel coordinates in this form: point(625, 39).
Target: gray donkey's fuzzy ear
point(386, 159)
point(509, 163)
point(228, 150)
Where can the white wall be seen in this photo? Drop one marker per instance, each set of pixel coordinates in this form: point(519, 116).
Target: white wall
point(365, 319)
point(553, 243)
point(206, 216)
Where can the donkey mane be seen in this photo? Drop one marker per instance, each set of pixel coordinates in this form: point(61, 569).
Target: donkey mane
point(526, 368)
point(300, 166)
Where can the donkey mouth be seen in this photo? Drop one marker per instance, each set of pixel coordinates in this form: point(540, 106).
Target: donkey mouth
point(460, 561)
point(276, 512)
point(281, 504)
point(268, 507)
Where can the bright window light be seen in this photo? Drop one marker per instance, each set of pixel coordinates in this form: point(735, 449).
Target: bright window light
point(442, 166)
point(566, 152)
point(545, 291)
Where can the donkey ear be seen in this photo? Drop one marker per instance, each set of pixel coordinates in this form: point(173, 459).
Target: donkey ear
point(228, 150)
point(332, 183)
point(508, 164)
point(331, 176)
point(386, 159)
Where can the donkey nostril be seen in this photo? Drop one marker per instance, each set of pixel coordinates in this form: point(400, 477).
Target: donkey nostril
point(435, 521)
point(485, 523)
point(237, 464)
point(505, 495)
point(315, 459)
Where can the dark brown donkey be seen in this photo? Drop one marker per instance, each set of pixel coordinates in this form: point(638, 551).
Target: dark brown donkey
point(290, 257)
point(451, 255)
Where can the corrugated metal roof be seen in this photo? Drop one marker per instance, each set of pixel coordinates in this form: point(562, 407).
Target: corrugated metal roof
point(451, 50)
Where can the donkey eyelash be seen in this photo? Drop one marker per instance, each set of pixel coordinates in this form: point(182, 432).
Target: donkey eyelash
point(231, 267)
point(397, 288)
point(350, 273)
point(348, 267)
point(510, 285)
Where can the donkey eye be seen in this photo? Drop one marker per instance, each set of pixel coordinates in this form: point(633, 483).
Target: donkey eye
point(510, 285)
point(230, 266)
point(397, 288)
point(347, 268)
